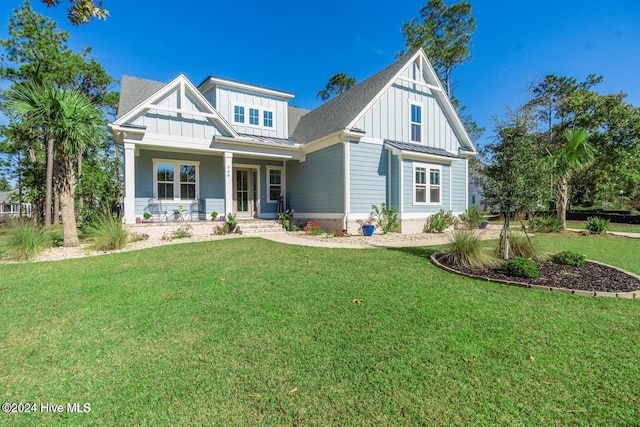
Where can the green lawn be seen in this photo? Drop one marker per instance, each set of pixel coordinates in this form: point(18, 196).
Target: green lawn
point(250, 332)
point(582, 225)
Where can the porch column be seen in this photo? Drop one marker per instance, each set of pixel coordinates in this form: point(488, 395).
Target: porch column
point(129, 183)
point(228, 183)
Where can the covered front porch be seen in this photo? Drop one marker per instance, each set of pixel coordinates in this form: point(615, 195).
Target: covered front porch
point(194, 184)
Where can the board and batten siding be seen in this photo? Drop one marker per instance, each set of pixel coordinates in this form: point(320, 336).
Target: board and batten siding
point(178, 124)
point(224, 99)
point(317, 184)
point(409, 179)
point(211, 181)
point(389, 117)
point(368, 176)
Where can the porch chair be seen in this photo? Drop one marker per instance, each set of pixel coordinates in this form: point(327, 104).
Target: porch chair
point(156, 209)
point(188, 214)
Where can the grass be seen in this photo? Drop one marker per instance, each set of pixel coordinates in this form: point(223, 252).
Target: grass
point(251, 332)
point(629, 228)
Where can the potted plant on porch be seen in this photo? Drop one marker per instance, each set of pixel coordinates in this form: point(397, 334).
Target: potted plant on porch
point(214, 216)
point(146, 217)
point(231, 222)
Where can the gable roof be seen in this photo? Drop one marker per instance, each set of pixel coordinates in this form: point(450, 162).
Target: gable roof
point(181, 81)
point(134, 90)
point(336, 114)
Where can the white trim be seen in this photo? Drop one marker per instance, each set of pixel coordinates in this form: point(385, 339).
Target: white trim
point(129, 183)
point(427, 185)
point(177, 83)
point(256, 184)
point(282, 182)
point(428, 73)
point(401, 186)
point(217, 81)
point(176, 178)
point(411, 122)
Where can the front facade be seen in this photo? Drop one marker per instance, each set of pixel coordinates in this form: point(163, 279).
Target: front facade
point(239, 148)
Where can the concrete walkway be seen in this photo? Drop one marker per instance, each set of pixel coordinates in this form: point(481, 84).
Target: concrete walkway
point(614, 233)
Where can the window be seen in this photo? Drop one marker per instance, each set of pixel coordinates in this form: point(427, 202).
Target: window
point(416, 123)
point(187, 182)
point(254, 116)
point(164, 177)
point(434, 188)
point(238, 114)
point(175, 180)
point(275, 184)
point(420, 185)
point(268, 119)
point(426, 192)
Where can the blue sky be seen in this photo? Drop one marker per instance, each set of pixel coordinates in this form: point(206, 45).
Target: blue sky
point(296, 46)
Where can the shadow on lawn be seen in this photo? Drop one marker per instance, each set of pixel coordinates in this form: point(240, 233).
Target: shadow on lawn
point(419, 251)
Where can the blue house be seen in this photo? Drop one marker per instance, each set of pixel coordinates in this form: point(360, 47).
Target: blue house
point(237, 148)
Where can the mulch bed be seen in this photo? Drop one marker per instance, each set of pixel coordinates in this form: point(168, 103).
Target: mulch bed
point(590, 276)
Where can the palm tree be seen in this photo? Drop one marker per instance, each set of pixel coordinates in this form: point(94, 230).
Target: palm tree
point(573, 156)
point(70, 122)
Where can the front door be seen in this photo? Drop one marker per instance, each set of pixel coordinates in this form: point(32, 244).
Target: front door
point(244, 192)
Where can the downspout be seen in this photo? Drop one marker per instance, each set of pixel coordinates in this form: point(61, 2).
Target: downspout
point(347, 183)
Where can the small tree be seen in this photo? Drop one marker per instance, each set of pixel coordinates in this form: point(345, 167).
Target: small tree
point(73, 122)
point(573, 156)
point(513, 176)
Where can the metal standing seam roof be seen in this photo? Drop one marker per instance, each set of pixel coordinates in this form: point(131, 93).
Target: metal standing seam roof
point(337, 113)
point(275, 141)
point(134, 90)
point(421, 149)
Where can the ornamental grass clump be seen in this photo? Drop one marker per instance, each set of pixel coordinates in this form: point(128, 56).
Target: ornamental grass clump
point(597, 225)
point(519, 246)
point(107, 232)
point(521, 267)
point(569, 258)
point(26, 239)
point(466, 250)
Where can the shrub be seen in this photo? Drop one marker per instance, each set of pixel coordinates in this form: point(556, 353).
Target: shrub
point(569, 258)
point(313, 228)
point(386, 218)
point(220, 230)
point(440, 221)
point(26, 239)
point(472, 217)
point(519, 246)
point(184, 231)
point(520, 267)
point(466, 250)
point(337, 233)
point(107, 232)
point(597, 225)
point(542, 224)
point(138, 237)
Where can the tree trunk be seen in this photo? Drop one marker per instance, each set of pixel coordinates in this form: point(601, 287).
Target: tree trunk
point(80, 198)
point(56, 209)
point(561, 200)
point(504, 237)
point(49, 183)
point(66, 188)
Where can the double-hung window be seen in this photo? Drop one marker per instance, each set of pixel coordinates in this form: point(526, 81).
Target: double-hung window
point(238, 114)
point(254, 116)
point(268, 119)
point(175, 179)
point(416, 123)
point(274, 176)
point(427, 186)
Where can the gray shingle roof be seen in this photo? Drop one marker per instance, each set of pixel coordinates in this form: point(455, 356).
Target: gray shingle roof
point(419, 148)
point(133, 91)
point(337, 113)
point(295, 114)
